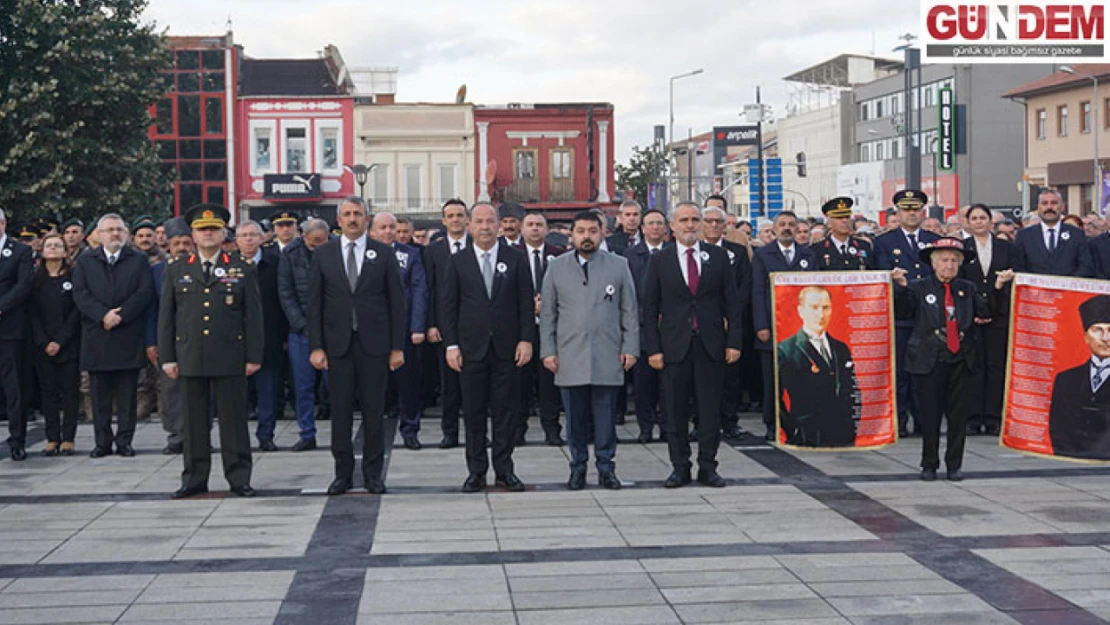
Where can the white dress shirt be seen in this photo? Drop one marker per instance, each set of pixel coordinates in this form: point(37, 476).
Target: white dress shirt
point(820, 343)
point(841, 246)
point(451, 244)
point(478, 253)
point(360, 252)
point(1044, 233)
point(793, 250)
point(112, 258)
point(682, 259)
point(532, 262)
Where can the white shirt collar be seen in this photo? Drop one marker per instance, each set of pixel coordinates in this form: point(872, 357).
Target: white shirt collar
point(203, 260)
point(838, 243)
point(514, 242)
point(3, 239)
point(682, 248)
point(814, 337)
point(492, 251)
point(257, 256)
point(785, 249)
point(531, 249)
point(651, 247)
point(452, 240)
point(110, 256)
point(1059, 227)
point(915, 233)
point(1099, 363)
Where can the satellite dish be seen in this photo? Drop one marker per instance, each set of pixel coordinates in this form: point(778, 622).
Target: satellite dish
point(460, 95)
point(491, 171)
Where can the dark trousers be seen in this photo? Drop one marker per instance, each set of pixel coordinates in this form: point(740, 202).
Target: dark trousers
point(429, 374)
point(357, 374)
point(537, 384)
point(696, 377)
point(304, 384)
point(596, 404)
point(650, 405)
point(450, 395)
point(11, 363)
point(767, 365)
point(948, 392)
point(407, 379)
point(988, 411)
point(267, 385)
point(908, 393)
point(489, 388)
point(229, 396)
point(730, 396)
point(61, 397)
point(121, 386)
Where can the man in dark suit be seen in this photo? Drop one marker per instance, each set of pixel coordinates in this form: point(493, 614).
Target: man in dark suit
point(713, 231)
point(1079, 415)
point(16, 274)
point(1052, 247)
point(535, 380)
point(900, 249)
point(781, 255)
point(840, 251)
point(1100, 255)
point(112, 287)
point(487, 315)
point(266, 260)
point(819, 402)
point(437, 257)
point(511, 217)
point(415, 288)
point(647, 382)
point(356, 330)
point(210, 334)
point(628, 228)
point(692, 328)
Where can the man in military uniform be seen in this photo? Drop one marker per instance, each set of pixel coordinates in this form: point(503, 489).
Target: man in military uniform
point(285, 228)
point(840, 251)
point(210, 333)
point(901, 249)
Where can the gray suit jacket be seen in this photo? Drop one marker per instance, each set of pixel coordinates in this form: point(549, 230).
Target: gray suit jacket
point(589, 326)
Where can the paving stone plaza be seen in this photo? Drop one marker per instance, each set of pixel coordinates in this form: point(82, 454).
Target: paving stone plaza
point(795, 539)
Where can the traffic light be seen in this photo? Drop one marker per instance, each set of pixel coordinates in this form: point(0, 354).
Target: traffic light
point(801, 163)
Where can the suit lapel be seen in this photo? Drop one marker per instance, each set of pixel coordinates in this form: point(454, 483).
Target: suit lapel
point(470, 265)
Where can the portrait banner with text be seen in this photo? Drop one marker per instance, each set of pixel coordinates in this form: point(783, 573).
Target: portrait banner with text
point(834, 371)
point(1057, 400)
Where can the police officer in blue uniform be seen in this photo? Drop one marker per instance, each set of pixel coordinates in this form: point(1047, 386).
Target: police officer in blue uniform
point(901, 249)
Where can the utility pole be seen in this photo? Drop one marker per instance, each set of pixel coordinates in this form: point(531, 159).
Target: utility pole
point(759, 153)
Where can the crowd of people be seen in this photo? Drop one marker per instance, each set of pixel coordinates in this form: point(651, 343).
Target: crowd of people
point(494, 315)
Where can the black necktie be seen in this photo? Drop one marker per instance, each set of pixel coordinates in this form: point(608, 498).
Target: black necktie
point(537, 268)
point(586, 272)
point(458, 245)
point(913, 240)
point(1052, 239)
point(654, 250)
point(207, 271)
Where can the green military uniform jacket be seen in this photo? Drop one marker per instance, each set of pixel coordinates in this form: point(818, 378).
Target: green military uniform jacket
point(210, 328)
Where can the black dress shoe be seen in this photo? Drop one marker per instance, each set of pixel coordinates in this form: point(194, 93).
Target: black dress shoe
point(609, 480)
point(520, 441)
point(375, 486)
point(188, 491)
point(305, 444)
point(172, 449)
point(619, 420)
point(693, 436)
point(677, 479)
point(267, 445)
point(644, 438)
point(413, 443)
point(711, 478)
point(993, 429)
point(903, 433)
point(244, 490)
point(769, 435)
point(100, 452)
point(474, 483)
point(928, 475)
point(449, 442)
point(955, 475)
point(19, 453)
point(340, 485)
point(510, 482)
point(127, 451)
point(734, 433)
point(554, 440)
point(663, 436)
point(577, 480)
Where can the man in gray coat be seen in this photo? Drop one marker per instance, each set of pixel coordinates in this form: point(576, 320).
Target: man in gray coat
point(589, 335)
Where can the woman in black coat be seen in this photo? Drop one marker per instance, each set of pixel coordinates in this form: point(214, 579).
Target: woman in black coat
point(991, 255)
point(56, 329)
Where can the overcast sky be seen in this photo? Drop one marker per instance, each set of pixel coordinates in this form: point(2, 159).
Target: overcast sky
point(618, 51)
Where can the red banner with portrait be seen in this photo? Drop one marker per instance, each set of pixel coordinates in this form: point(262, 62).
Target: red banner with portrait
point(1057, 400)
point(834, 360)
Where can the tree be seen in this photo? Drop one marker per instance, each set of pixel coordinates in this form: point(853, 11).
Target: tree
point(644, 168)
point(78, 77)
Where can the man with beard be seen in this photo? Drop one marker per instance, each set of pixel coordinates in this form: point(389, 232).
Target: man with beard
point(1052, 247)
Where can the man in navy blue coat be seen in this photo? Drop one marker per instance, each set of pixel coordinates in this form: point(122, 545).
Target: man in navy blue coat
point(415, 286)
point(647, 382)
point(781, 255)
point(15, 289)
point(1100, 255)
point(1052, 247)
point(901, 249)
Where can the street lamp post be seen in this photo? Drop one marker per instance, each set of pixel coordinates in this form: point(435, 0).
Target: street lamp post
point(674, 78)
point(1096, 183)
point(362, 174)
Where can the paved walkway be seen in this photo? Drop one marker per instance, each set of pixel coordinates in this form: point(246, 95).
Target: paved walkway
point(796, 539)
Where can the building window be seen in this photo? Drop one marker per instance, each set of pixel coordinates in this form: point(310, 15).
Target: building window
point(1085, 118)
point(446, 186)
point(863, 111)
point(296, 150)
point(562, 167)
point(412, 186)
point(864, 153)
point(262, 149)
point(898, 151)
point(379, 185)
point(930, 95)
point(1106, 113)
point(329, 140)
point(524, 165)
point(878, 109)
point(879, 151)
point(1042, 123)
point(213, 116)
point(1062, 120)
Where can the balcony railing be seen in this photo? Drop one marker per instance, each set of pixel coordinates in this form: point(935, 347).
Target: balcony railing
point(520, 190)
point(561, 190)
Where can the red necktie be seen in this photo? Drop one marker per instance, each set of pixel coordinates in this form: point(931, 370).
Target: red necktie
point(692, 277)
point(950, 315)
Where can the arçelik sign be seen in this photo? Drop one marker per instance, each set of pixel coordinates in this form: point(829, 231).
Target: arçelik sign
point(1029, 32)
